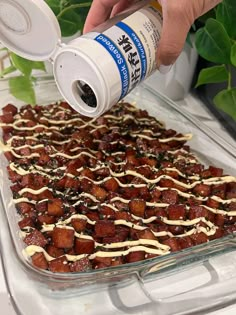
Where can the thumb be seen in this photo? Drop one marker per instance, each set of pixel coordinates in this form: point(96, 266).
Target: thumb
point(176, 24)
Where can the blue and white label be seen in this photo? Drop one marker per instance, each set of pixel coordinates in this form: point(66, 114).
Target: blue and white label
point(133, 43)
point(119, 60)
point(139, 47)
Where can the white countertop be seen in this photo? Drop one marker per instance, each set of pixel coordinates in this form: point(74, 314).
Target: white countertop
point(194, 106)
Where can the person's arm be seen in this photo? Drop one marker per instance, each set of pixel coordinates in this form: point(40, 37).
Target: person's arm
point(178, 16)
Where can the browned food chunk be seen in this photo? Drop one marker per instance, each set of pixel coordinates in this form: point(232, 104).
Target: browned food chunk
point(74, 165)
point(123, 232)
point(42, 206)
point(84, 246)
point(176, 229)
point(54, 251)
point(26, 222)
point(218, 234)
point(231, 191)
point(102, 262)
point(24, 207)
point(164, 182)
point(170, 196)
point(219, 190)
point(13, 176)
point(111, 239)
point(9, 156)
point(44, 159)
point(107, 213)
point(117, 261)
point(72, 183)
point(135, 256)
point(122, 215)
point(215, 171)
point(59, 265)
point(98, 192)
point(144, 193)
point(197, 212)
point(232, 206)
point(148, 161)
point(219, 219)
point(176, 212)
point(63, 237)
point(55, 207)
point(9, 109)
point(173, 243)
point(185, 242)
point(156, 194)
point(82, 264)
point(6, 118)
point(35, 238)
point(129, 192)
point(46, 219)
point(137, 207)
point(212, 203)
point(202, 190)
point(111, 185)
point(199, 238)
point(147, 234)
point(39, 261)
point(193, 169)
point(79, 224)
point(105, 228)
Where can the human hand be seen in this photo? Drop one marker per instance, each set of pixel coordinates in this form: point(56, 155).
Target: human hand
point(178, 16)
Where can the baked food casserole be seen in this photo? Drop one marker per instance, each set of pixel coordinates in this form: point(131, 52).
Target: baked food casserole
point(96, 193)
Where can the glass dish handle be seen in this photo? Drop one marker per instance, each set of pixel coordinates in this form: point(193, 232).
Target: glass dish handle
point(204, 287)
point(149, 296)
point(190, 288)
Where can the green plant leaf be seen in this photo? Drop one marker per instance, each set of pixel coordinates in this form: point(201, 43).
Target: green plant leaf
point(213, 42)
point(226, 101)
point(233, 54)
point(38, 65)
point(82, 12)
point(213, 75)
point(7, 70)
point(22, 89)
point(226, 14)
point(54, 5)
point(22, 64)
point(70, 23)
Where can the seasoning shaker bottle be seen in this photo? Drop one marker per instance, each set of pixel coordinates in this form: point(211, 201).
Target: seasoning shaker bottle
point(96, 70)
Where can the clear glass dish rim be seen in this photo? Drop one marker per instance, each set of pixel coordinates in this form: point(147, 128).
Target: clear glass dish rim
point(183, 257)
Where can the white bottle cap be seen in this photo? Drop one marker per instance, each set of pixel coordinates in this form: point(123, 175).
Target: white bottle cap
point(30, 29)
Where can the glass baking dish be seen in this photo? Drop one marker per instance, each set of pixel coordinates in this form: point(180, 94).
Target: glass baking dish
point(164, 285)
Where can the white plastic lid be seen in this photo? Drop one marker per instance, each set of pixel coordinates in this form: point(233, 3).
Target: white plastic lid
point(29, 28)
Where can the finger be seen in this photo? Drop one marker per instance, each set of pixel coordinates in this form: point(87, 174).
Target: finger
point(99, 12)
point(178, 16)
point(176, 25)
point(121, 6)
point(207, 6)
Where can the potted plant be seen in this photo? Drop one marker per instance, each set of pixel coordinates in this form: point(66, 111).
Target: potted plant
point(216, 44)
point(71, 15)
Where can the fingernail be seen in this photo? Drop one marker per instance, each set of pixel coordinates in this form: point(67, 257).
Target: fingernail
point(165, 69)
